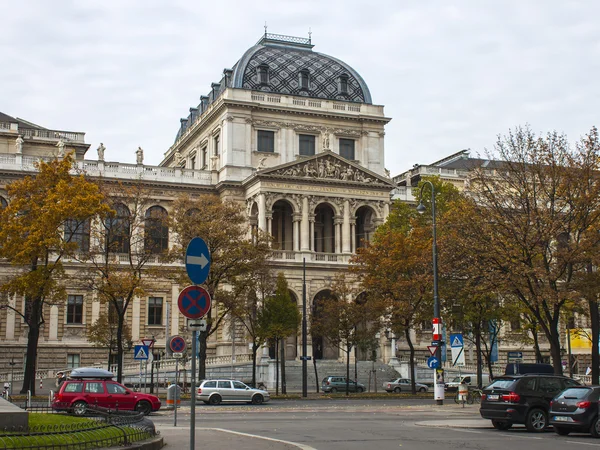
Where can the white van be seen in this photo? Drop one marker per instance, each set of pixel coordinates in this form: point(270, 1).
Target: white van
point(470, 379)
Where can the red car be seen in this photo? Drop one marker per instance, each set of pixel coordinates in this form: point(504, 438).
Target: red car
point(95, 387)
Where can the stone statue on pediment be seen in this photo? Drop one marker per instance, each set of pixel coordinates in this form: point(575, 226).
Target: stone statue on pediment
point(61, 148)
point(326, 141)
point(387, 173)
point(19, 144)
point(261, 163)
point(178, 158)
point(101, 149)
point(139, 155)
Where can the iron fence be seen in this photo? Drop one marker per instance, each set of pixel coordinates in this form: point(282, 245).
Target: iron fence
point(107, 428)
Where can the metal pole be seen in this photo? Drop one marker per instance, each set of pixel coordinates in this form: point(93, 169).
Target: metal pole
point(304, 349)
point(193, 392)
point(176, 392)
point(141, 373)
point(146, 376)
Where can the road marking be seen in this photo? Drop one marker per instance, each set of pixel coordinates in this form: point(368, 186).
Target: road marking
point(519, 436)
point(301, 446)
point(583, 443)
point(466, 431)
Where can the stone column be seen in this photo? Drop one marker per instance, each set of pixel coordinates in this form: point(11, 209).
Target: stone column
point(174, 310)
point(297, 217)
point(269, 217)
point(262, 209)
point(353, 234)
point(311, 237)
point(135, 319)
point(305, 226)
point(337, 223)
point(95, 310)
point(346, 242)
point(10, 318)
point(53, 328)
point(386, 211)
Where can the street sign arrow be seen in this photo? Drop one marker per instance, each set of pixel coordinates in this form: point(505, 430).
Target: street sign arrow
point(433, 362)
point(432, 349)
point(197, 260)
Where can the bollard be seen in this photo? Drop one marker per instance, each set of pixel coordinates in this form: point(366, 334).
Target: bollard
point(50, 397)
point(28, 399)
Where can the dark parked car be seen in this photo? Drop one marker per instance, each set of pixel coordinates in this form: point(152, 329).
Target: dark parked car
point(523, 368)
point(335, 384)
point(523, 399)
point(576, 409)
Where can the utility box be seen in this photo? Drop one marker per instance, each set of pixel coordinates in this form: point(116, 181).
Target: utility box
point(173, 396)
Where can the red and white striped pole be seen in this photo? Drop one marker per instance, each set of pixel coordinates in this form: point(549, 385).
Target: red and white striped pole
point(41, 384)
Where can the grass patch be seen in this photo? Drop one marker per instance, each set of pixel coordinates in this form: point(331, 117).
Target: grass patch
point(61, 431)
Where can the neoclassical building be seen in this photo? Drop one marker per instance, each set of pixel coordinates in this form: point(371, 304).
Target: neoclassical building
point(290, 133)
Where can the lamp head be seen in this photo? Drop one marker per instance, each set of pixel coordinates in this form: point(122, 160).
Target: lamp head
point(421, 208)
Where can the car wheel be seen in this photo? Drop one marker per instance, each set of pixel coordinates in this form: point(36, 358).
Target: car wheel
point(561, 431)
point(359, 390)
point(215, 399)
point(397, 390)
point(500, 425)
point(257, 399)
point(537, 420)
point(333, 390)
point(143, 407)
point(80, 408)
point(595, 427)
point(422, 390)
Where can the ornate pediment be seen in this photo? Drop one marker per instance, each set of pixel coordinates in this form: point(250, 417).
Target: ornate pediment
point(327, 166)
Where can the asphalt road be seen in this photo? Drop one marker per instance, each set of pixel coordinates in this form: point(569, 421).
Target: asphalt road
point(343, 424)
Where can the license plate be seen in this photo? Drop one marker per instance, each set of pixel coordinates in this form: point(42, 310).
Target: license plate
point(493, 397)
point(561, 419)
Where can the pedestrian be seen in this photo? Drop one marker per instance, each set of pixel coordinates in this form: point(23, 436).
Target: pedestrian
point(60, 378)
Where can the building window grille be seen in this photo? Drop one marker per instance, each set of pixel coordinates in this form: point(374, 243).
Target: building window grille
point(155, 308)
point(347, 148)
point(307, 145)
point(304, 79)
point(78, 231)
point(266, 141)
point(156, 230)
point(73, 360)
point(117, 230)
point(262, 72)
point(75, 309)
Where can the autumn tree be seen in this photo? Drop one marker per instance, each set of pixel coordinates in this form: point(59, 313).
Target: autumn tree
point(526, 227)
point(103, 333)
point(346, 322)
point(37, 232)
point(233, 252)
point(128, 247)
point(277, 319)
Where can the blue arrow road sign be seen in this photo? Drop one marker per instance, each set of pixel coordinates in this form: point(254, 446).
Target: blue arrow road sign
point(197, 260)
point(141, 352)
point(433, 362)
point(456, 340)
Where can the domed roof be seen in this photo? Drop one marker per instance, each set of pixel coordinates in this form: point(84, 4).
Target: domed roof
point(286, 57)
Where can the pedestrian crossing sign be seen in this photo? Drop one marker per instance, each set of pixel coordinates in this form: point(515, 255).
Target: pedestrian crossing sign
point(456, 340)
point(141, 352)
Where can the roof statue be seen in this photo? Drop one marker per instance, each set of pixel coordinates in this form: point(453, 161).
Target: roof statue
point(139, 155)
point(61, 148)
point(19, 144)
point(101, 149)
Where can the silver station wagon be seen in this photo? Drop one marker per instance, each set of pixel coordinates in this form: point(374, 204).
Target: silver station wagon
point(214, 392)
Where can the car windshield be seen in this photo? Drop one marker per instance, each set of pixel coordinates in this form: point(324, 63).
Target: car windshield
point(576, 393)
point(456, 379)
point(501, 384)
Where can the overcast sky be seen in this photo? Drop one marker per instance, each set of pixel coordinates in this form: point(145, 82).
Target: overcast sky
point(451, 74)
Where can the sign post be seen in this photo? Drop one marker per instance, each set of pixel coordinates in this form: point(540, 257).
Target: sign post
point(194, 303)
point(141, 352)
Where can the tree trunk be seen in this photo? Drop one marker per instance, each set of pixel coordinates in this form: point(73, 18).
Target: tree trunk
point(348, 349)
point(282, 351)
point(276, 366)
point(120, 319)
point(33, 336)
point(254, 350)
point(478, 351)
point(314, 360)
point(203, 336)
point(555, 349)
point(536, 344)
point(595, 325)
point(411, 347)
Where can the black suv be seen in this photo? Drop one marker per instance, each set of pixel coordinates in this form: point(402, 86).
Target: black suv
point(522, 399)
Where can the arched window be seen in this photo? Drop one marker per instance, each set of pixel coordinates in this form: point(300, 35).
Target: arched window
point(118, 230)
point(304, 79)
point(3, 203)
point(78, 231)
point(262, 73)
point(156, 237)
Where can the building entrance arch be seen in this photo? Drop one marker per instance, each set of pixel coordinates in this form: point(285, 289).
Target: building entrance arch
point(321, 348)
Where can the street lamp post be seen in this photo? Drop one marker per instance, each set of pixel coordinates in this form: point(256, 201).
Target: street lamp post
point(437, 338)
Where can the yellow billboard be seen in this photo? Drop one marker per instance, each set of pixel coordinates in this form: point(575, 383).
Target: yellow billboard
point(581, 340)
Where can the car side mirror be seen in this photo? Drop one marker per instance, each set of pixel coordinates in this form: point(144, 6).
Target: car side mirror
point(127, 392)
point(247, 388)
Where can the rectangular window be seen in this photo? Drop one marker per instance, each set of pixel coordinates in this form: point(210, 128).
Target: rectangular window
point(204, 161)
point(347, 148)
point(75, 309)
point(193, 162)
point(155, 308)
point(217, 141)
point(72, 360)
point(266, 141)
point(307, 145)
point(78, 231)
